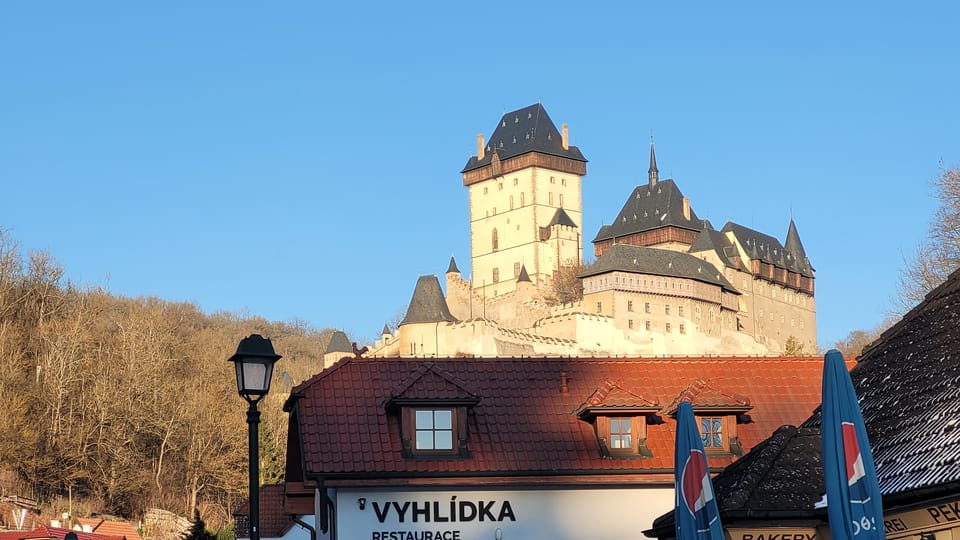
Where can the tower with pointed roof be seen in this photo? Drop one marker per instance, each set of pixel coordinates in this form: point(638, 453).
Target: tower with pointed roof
point(524, 186)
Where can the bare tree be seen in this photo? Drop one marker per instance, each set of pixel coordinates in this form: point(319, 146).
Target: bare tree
point(939, 255)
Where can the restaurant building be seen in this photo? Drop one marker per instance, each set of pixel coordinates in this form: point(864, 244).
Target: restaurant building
point(500, 448)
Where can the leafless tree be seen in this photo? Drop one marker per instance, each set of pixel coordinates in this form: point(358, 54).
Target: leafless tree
point(939, 254)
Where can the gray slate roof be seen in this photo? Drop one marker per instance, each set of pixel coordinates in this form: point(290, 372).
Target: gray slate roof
point(525, 130)
point(713, 240)
point(524, 276)
point(427, 304)
point(452, 268)
point(650, 208)
point(769, 250)
point(561, 217)
point(657, 262)
point(339, 342)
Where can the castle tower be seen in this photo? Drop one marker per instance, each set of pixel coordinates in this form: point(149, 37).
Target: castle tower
point(525, 193)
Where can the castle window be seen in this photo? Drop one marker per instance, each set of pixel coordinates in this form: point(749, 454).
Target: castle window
point(500, 186)
point(563, 181)
point(666, 309)
point(495, 240)
point(680, 311)
point(553, 180)
point(599, 307)
point(515, 181)
point(630, 324)
point(511, 202)
point(669, 328)
point(522, 199)
point(629, 305)
point(484, 190)
point(496, 275)
point(516, 269)
point(561, 200)
point(683, 328)
point(494, 210)
point(646, 307)
point(801, 324)
point(646, 325)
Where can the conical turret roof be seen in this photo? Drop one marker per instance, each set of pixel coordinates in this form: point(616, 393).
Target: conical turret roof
point(427, 304)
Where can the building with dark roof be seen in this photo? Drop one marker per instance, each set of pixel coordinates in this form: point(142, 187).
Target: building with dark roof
point(557, 448)
point(908, 384)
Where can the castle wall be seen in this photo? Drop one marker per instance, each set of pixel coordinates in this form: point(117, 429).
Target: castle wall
point(772, 313)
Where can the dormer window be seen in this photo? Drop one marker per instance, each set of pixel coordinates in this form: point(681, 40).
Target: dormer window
point(620, 419)
point(717, 414)
point(711, 432)
point(434, 429)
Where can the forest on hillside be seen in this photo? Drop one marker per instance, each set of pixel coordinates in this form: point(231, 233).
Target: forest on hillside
point(124, 404)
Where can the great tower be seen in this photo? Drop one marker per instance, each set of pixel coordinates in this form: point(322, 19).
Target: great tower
point(525, 194)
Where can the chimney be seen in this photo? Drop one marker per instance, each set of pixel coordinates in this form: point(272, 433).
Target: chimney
point(480, 147)
point(565, 137)
point(563, 383)
point(686, 208)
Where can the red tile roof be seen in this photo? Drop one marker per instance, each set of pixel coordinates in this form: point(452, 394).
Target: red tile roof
point(526, 419)
point(54, 533)
point(111, 527)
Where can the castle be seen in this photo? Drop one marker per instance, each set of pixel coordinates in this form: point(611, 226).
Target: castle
point(664, 282)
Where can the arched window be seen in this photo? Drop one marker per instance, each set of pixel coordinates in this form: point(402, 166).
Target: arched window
point(496, 240)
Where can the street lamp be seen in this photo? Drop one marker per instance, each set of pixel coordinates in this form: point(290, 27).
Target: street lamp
point(254, 362)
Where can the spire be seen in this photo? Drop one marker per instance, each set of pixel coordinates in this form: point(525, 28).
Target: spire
point(653, 173)
point(524, 276)
point(452, 269)
point(793, 244)
point(385, 331)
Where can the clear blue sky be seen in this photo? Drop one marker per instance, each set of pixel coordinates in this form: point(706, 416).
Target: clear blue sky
point(301, 159)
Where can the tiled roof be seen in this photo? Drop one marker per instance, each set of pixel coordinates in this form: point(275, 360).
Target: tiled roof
point(529, 129)
point(908, 382)
point(274, 521)
point(658, 262)
point(54, 533)
point(111, 527)
point(427, 304)
point(704, 395)
point(612, 396)
point(527, 405)
point(650, 208)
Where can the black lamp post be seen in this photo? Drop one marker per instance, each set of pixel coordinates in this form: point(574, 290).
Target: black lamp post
point(254, 362)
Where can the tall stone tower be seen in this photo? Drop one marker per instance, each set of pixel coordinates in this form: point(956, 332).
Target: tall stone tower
point(525, 202)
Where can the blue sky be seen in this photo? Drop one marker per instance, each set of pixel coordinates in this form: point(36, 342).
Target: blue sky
point(298, 160)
